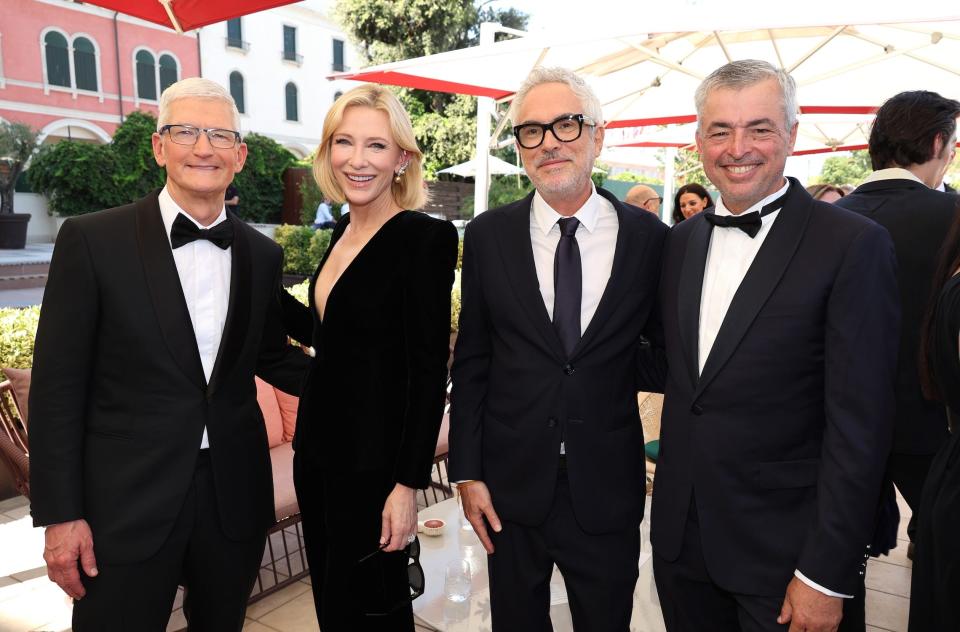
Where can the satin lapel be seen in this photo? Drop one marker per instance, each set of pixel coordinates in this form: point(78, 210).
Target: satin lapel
point(163, 283)
point(690, 292)
point(629, 240)
point(238, 308)
point(516, 251)
point(761, 279)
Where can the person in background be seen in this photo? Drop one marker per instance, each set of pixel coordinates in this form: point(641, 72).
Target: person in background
point(372, 403)
point(689, 200)
point(936, 565)
point(231, 198)
point(324, 218)
point(825, 192)
point(911, 143)
point(149, 462)
point(644, 197)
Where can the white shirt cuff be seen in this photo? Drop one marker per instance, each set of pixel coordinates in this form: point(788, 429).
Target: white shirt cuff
point(818, 587)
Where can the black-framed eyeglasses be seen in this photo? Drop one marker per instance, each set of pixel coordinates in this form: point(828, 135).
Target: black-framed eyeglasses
point(189, 135)
point(415, 577)
point(658, 199)
point(566, 129)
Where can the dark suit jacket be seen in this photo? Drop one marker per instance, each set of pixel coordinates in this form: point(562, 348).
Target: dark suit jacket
point(918, 219)
point(783, 438)
point(374, 394)
point(119, 401)
point(516, 395)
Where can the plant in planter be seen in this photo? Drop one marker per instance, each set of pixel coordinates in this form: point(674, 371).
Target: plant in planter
point(17, 144)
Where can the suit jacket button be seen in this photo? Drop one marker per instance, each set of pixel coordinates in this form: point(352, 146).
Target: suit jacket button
point(696, 409)
point(569, 369)
point(552, 422)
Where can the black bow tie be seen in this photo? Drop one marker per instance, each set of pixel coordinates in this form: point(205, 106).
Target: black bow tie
point(750, 223)
point(184, 231)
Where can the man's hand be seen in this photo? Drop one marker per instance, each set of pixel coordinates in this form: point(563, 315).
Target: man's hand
point(809, 610)
point(66, 543)
point(477, 506)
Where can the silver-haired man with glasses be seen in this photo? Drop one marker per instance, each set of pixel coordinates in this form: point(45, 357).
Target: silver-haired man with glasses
point(149, 458)
point(558, 294)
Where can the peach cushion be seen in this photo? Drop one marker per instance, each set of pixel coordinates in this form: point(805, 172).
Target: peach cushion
point(20, 381)
point(284, 495)
point(267, 398)
point(288, 412)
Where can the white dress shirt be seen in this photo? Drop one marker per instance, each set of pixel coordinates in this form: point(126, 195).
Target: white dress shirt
point(596, 238)
point(204, 271)
point(729, 256)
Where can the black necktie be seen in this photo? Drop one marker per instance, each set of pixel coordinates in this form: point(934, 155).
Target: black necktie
point(750, 223)
point(567, 284)
point(184, 231)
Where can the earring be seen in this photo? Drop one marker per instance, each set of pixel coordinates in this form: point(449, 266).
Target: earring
point(399, 173)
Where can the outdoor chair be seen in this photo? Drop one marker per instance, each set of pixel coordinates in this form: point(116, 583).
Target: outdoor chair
point(14, 450)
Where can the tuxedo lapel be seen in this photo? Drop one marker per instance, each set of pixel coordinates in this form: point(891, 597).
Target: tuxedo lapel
point(630, 237)
point(689, 294)
point(163, 284)
point(238, 308)
point(516, 252)
point(761, 279)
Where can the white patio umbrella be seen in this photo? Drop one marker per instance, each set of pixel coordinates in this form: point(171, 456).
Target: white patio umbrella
point(497, 167)
point(848, 62)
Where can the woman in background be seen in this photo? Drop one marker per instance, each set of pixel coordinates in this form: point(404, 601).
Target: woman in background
point(936, 563)
point(689, 200)
point(373, 399)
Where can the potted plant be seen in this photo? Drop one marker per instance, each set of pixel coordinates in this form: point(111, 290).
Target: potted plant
point(17, 143)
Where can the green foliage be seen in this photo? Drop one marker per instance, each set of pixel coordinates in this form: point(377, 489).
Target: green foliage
point(300, 290)
point(503, 190)
point(76, 178)
point(260, 184)
point(447, 138)
point(849, 169)
point(629, 176)
point(17, 143)
point(455, 303)
point(311, 195)
point(18, 328)
point(137, 172)
point(689, 170)
point(303, 248)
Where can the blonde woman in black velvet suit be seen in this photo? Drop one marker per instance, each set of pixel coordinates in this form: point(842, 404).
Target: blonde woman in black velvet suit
point(371, 407)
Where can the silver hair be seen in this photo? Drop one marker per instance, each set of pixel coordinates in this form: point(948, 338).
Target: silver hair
point(744, 73)
point(195, 88)
point(543, 74)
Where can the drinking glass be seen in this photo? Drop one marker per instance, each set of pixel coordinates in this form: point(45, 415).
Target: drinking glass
point(457, 581)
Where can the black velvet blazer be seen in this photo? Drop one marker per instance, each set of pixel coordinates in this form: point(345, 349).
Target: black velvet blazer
point(374, 394)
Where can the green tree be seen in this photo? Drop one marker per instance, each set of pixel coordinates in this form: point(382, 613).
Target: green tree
point(260, 184)
point(137, 171)
point(849, 169)
point(17, 143)
point(76, 177)
point(689, 169)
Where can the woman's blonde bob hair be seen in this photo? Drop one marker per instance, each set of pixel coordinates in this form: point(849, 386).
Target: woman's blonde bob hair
point(410, 192)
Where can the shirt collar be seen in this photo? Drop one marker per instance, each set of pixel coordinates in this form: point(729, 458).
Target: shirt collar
point(169, 210)
point(546, 217)
point(893, 173)
point(722, 210)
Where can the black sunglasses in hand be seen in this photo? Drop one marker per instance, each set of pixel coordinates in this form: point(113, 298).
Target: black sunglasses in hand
point(415, 576)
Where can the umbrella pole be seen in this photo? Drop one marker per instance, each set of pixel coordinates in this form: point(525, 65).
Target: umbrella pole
point(173, 18)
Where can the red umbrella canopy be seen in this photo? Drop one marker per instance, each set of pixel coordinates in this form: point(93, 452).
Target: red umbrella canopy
point(186, 15)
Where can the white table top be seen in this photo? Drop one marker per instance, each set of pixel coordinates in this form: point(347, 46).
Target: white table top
point(473, 615)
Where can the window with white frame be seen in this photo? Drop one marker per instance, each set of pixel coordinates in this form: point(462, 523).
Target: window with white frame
point(154, 74)
point(291, 95)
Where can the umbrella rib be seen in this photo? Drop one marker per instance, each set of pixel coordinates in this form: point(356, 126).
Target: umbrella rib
point(924, 60)
point(815, 49)
point(723, 46)
point(656, 57)
point(860, 64)
point(170, 14)
point(776, 49)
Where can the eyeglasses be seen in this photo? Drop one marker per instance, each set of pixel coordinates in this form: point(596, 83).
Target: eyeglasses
point(565, 129)
point(658, 199)
point(189, 135)
point(415, 577)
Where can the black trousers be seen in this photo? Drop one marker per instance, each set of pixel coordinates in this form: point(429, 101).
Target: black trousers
point(217, 574)
point(691, 602)
point(600, 572)
point(341, 524)
point(909, 472)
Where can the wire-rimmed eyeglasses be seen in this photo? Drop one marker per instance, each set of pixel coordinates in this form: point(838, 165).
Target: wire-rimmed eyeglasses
point(189, 135)
point(566, 129)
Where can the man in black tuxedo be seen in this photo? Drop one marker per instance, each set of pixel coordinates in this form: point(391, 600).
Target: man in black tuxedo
point(780, 317)
point(558, 294)
point(911, 144)
point(149, 458)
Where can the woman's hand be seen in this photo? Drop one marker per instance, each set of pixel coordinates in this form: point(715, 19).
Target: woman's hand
point(398, 524)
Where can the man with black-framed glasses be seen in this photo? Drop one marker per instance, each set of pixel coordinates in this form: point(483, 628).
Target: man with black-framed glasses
point(557, 314)
point(149, 459)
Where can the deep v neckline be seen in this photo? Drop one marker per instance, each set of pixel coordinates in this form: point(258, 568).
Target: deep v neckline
point(343, 273)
